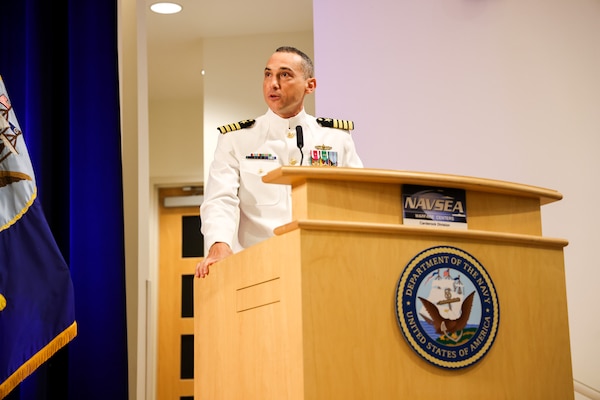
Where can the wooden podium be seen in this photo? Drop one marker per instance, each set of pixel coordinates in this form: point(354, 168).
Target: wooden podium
point(310, 313)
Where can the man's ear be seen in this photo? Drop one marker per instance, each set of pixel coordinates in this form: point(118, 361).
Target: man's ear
point(311, 85)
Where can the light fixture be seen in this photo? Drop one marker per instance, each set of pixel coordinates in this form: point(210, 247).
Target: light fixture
point(183, 201)
point(165, 8)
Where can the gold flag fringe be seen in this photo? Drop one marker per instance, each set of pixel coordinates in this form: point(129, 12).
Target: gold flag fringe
point(38, 359)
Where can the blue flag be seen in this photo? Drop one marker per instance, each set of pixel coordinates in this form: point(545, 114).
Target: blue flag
point(37, 313)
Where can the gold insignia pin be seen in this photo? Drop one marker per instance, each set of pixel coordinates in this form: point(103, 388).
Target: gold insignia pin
point(323, 147)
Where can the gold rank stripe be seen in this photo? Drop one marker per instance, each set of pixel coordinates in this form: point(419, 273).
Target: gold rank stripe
point(236, 126)
point(336, 123)
point(341, 124)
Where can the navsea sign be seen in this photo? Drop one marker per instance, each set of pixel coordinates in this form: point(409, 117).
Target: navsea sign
point(434, 206)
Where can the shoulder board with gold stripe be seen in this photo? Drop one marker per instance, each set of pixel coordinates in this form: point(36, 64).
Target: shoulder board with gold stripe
point(236, 126)
point(336, 123)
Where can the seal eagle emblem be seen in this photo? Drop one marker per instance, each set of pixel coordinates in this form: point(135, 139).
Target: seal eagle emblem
point(447, 307)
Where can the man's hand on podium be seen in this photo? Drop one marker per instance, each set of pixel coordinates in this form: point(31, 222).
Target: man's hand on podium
point(217, 252)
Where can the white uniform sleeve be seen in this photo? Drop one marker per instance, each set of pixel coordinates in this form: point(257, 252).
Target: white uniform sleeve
point(219, 209)
point(351, 158)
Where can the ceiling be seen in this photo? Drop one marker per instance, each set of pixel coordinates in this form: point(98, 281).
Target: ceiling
point(174, 41)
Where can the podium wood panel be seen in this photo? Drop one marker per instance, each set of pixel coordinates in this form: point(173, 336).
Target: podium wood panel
point(331, 332)
point(310, 313)
point(367, 195)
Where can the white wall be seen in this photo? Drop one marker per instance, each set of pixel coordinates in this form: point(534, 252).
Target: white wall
point(494, 89)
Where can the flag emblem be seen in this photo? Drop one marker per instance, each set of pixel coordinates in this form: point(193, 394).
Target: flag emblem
point(37, 315)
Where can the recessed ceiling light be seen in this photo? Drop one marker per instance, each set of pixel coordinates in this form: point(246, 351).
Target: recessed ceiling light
point(165, 8)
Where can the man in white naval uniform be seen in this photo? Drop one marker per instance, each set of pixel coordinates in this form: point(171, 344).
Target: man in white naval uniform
point(239, 209)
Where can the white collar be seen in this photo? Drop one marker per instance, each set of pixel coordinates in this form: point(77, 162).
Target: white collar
point(286, 123)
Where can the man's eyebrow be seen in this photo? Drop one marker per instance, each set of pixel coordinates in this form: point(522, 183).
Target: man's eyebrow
point(280, 69)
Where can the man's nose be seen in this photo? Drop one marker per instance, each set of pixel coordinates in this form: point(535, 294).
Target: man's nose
point(274, 82)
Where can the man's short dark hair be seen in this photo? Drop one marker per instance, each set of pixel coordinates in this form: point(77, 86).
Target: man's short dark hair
point(307, 64)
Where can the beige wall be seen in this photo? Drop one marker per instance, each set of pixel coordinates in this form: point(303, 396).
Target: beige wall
point(176, 146)
point(136, 192)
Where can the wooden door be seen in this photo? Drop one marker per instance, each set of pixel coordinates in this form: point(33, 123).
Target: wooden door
point(180, 248)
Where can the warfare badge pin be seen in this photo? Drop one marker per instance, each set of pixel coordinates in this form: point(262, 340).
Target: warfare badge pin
point(447, 307)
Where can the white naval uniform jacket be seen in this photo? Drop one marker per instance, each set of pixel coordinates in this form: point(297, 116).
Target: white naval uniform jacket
point(235, 193)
